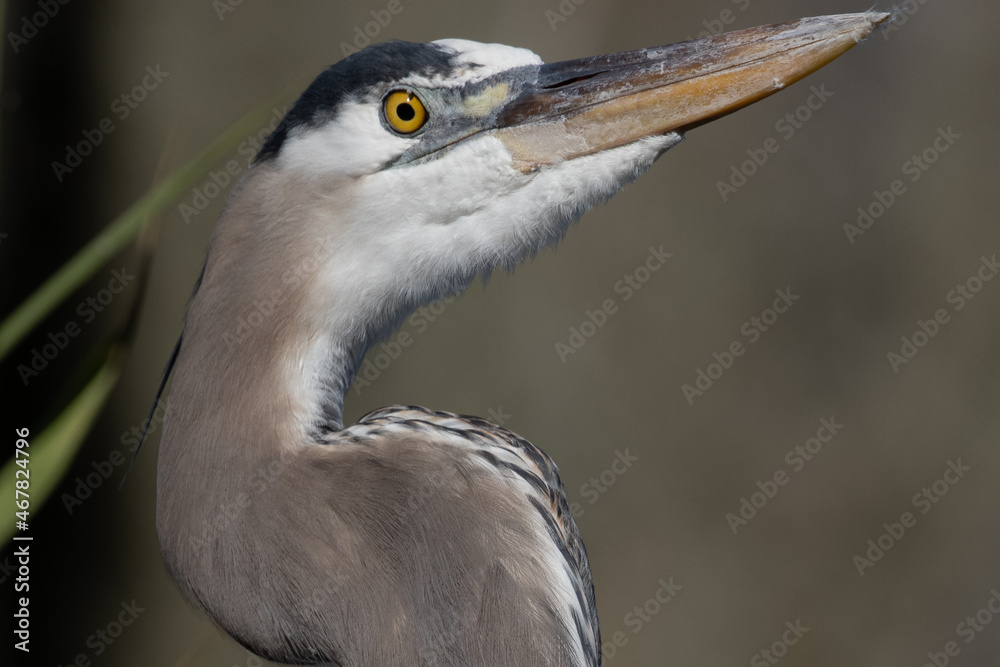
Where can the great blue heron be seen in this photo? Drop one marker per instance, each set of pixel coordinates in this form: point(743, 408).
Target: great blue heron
point(412, 537)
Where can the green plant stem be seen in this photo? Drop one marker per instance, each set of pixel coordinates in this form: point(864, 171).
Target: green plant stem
point(123, 229)
point(51, 451)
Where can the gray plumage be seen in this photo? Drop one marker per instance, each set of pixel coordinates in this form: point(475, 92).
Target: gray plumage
point(418, 538)
point(411, 537)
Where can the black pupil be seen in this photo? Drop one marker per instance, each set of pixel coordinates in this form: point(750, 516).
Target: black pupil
point(405, 111)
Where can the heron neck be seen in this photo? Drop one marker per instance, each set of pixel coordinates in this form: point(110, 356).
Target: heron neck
point(280, 317)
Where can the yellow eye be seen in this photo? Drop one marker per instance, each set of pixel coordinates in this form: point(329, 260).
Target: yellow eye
point(405, 112)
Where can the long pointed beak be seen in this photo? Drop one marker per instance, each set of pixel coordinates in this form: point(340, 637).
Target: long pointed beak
point(579, 107)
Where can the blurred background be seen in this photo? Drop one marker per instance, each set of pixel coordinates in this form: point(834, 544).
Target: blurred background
point(766, 486)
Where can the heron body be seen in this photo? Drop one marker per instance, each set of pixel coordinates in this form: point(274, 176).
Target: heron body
point(412, 537)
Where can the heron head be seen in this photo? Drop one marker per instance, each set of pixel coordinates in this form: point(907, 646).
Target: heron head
point(465, 155)
point(401, 104)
